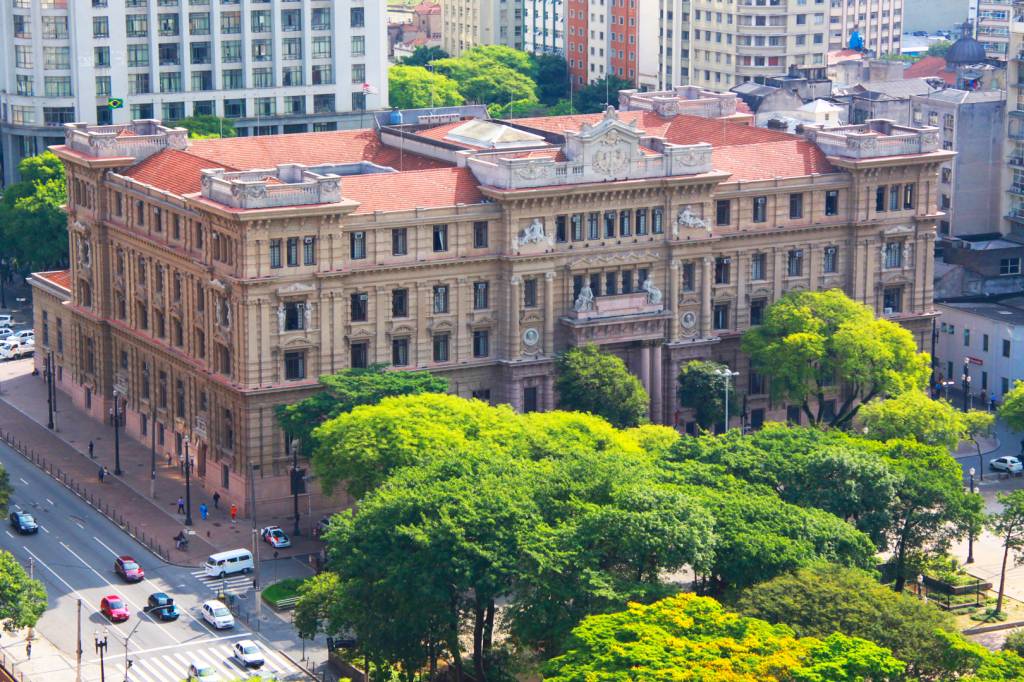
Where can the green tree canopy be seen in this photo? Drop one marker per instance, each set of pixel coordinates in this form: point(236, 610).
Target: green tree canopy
point(912, 414)
point(821, 599)
point(346, 390)
point(588, 380)
point(207, 126)
point(1011, 411)
point(701, 386)
point(33, 224)
point(422, 56)
point(414, 87)
point(22, 600)
point(812, 341)
point(693, 638)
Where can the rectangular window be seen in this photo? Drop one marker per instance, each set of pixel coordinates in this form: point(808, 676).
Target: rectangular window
point(758, 272)
point(530, 292)
point(480, 236)
point(832, 202)
point(399, 303)
point(757, 311)
point(440, 347)
point(481, 343)
point(440, 238)
point(441, 298)
point(359, 355)
point(294, 365)
point(360, 306)
point(760, 209)
point(722, 270)
point(795, 263)
point(399, 241)
point(309, 250)
point(357, 245)
point(723, 211)
point(481, 295)
point(400, 352)
point(796, 206)
point(721, 316)
point(831, 264)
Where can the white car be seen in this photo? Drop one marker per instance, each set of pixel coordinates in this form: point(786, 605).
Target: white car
point(9, 350)
point(1007, 463)
point(248, 654)
point(201, 672)
point(217, 615)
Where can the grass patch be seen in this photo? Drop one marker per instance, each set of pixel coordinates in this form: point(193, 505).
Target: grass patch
point(283, 589)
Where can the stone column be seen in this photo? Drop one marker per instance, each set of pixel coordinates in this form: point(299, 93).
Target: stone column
point(513, 319)
point(705, 297)
point(645, 369)
point(672, 304)
point(549, 314)
point(656, 392)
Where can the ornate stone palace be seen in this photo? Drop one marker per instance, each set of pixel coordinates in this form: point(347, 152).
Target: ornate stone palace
point(213, 280)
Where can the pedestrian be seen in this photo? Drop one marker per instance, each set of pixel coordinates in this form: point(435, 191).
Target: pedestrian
point(234, 509)
point(101, 472)
point(203, 510)
point(91, 455)
point(181, 505)
point(216, 499)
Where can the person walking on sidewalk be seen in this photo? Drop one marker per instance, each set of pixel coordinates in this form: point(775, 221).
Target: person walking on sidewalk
point(91, 455)
point(216, 499)
point(181, 505)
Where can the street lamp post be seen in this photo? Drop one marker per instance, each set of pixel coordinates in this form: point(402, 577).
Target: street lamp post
point(101, 647)
point(966, 379)
point(188, 485)
point(727, 374)
point(970, 531)
point(117, 437)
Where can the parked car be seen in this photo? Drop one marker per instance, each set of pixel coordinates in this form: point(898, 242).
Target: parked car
point(247, 653)
point(129, 569)
point(217, 615)
point(162, 606)
point(201, 672)
point(114, 608)
point(24, 523)
point(1007, 463)
point(11, 349)
point(275, 537)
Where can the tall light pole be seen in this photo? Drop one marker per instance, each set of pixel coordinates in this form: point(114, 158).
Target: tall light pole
point(117, 437)
point(101, 647)
point(965, 378)
point(727, 374)
point(188, 486)
point(970, 531)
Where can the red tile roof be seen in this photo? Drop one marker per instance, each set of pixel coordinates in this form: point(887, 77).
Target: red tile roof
point(173, 171)
point(931, 67)
point(58, 278)
point(413, 189)
point(343, 146)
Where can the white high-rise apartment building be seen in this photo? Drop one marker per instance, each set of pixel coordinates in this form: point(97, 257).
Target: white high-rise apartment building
point(465, 24)
point(274, 66)
point(879, 22)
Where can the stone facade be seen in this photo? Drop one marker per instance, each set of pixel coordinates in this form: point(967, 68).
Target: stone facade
point(207, 299)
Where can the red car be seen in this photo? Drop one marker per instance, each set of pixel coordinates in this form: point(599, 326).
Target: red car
point(114, 608)
point(129, 569)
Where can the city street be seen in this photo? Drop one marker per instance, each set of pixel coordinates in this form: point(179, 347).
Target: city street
point(73, 554)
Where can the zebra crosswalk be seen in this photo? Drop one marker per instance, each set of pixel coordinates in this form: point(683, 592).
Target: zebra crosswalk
point(234, 584)
point(174, 666)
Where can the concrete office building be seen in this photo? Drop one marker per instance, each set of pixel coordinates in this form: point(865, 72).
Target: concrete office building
point(879, 23)
point(272, 66)
point(469, 23)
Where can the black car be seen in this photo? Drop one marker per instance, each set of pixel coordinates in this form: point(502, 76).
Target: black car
point(162, 606)
point(24, 523)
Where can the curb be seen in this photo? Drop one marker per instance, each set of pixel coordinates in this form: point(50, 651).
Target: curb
point(82, 494)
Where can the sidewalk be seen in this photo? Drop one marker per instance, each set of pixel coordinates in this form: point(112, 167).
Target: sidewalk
point(23, 413)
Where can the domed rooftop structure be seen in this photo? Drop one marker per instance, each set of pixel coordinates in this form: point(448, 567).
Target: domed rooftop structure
point(966, 50)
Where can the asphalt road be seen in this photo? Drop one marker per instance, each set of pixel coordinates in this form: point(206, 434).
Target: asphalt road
point(73, 554)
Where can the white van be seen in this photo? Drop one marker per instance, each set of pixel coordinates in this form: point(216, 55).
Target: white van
point(225, 563)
